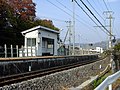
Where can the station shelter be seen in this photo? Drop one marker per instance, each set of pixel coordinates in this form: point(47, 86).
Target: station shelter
point(40, 41)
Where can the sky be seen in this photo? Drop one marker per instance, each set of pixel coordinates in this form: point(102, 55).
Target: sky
point(86, 31)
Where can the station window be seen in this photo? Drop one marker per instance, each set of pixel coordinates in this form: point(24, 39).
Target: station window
point(31, 41)
point(50, 43)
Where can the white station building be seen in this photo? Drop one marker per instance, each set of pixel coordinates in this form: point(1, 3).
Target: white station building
point(40, 41)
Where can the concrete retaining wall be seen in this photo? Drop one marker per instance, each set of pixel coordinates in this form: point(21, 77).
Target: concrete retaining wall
point(60, 80)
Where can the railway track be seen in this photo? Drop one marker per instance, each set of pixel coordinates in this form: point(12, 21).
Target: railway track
point(33, 74)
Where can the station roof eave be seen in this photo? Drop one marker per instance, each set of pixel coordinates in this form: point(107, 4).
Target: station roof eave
point(39, 27)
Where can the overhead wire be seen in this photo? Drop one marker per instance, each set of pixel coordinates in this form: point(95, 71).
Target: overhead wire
point(105, 5)
point(113, 20)
point(95, 17)
point(115, 28)
point(88, 14)
point(71, 11)
point(59, 8)
point(95, 9)
point(67, 13)
point(109, 5)
point(100, 7)
point(78, 15)
point(110, 11)
point(72, 16)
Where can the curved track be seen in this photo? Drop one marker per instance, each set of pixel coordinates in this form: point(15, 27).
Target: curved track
point(33, 74)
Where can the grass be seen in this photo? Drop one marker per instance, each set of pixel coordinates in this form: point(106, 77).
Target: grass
point(100, 80)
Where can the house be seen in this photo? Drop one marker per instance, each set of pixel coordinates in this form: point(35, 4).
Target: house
point(97, 50)
point(40, 41)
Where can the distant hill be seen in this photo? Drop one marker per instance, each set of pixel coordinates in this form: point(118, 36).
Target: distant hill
point(103, 44)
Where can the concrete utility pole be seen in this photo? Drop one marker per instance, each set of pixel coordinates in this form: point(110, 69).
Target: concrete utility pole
point(109, 16)
point(73, 52)
point(70, 35)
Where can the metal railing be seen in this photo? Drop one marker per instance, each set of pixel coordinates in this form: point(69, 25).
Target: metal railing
point(108, 81)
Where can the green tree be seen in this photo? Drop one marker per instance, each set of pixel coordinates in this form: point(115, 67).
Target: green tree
point(117, 47)
point(6, 18)
point(116, 54)
point(45, 23)
point(11, 25)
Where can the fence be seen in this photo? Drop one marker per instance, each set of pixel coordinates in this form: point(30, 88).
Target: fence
point(108, 81)
point(14, 51)
point(9, 51)
point(28, 51)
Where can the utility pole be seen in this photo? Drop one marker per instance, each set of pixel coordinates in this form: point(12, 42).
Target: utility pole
point(70, 35)
point(109, 16)
point(73, 52)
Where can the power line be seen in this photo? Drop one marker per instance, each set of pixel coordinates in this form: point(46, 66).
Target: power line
point(58, 20)
point(115, 28)
point(109, 5)
point(96, 4)
point(87, 14)
point(60, 8)
point(63, 5)
point(70, 10)
point(100, 5)
point(84, 23)
point(67, 13)
point(95, 10)
point(105, 5)
point(76, 14)
point(95, 17)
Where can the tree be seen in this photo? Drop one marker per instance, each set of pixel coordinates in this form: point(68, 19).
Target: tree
point(45, 23)
point(6, 18)
point(117, 47)
point(11, 25)
point(116, 54)
point(5, 14)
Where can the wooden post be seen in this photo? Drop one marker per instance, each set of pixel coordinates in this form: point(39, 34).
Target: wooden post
point(11, 50)
point(17, 50)
point(5, 50)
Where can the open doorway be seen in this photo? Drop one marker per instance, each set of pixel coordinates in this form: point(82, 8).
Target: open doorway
point(47, 46)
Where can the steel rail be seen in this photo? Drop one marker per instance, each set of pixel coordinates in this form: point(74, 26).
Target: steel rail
point(33, 74)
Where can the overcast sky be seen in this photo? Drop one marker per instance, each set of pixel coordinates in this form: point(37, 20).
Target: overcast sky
point(86, 31)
